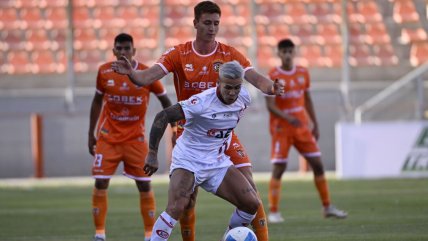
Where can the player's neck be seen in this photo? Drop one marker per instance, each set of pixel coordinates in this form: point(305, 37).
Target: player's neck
point(204, 47)
point(287, 67)
point(217, 92)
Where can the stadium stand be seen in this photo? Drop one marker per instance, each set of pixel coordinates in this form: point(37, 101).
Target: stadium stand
point(382, 32)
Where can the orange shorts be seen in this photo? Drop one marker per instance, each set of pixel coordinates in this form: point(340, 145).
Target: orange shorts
point(301, 138)
point(108, 156)
point(236, 151)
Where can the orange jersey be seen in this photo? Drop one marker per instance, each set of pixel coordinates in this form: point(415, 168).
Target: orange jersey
point(292, 102)
point(124, 105)
point(193, 72)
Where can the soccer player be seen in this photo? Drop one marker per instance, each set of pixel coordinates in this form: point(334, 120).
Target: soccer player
point(117, 113)
point(290, 118)
point(199, 159)
point(195, 66)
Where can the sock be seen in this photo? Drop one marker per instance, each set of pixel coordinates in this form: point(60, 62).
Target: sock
point(259, 223)
point(187, 224)
point(322, 187)
point(274, 194)
point(148, 210)
point(240, 218)
point(99, 210)
point(163, 227)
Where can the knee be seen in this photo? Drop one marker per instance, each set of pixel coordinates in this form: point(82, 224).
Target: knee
point(316, 166)
point(101, 183)
point(252, 205)
point(143, 186)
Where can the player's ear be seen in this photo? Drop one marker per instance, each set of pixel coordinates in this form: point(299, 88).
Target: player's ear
point(134, 50)
point(194, 23)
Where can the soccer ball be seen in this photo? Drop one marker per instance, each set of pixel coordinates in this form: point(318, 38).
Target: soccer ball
point(240, 234)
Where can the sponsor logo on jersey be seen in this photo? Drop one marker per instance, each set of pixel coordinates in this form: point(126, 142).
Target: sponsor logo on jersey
point(301, 80)
point(125, 99)
point(106, 71)
point(219, 133)
point(204, 71)
point(199, 85)
point(194, 101)
point(213, 116)
point(124, 87)
point(110, 82)
point(216, 65)
point(188, 67)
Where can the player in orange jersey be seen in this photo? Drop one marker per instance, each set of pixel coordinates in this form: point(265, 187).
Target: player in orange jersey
point(116, 133)
point(195, 66)
point(290, 118)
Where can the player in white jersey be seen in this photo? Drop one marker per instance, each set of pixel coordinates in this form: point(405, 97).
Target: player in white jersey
point(198, 158)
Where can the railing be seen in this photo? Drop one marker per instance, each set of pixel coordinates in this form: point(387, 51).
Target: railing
point(415, 75)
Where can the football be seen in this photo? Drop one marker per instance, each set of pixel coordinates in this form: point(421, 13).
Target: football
point(240, 234)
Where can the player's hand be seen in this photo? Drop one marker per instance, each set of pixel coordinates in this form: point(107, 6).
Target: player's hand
point(122, 66)
point(294, 121)
point(278, 87)
point(316, 133)
point(152, 163)
point(92, 142)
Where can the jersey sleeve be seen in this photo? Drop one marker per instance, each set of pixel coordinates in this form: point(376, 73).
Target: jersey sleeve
point(157, 88)
point(246, 64)
point(167, 60)
point(192, 107)
point(99, 85)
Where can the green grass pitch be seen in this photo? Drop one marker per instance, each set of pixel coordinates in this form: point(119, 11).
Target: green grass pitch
point(390, 210)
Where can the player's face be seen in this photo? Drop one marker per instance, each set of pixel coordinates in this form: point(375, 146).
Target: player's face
point(229, 89)
point(286, 55)
point(124, 49)
point(207, 26)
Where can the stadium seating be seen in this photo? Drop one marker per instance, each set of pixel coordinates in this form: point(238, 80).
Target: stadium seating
point(41, 25)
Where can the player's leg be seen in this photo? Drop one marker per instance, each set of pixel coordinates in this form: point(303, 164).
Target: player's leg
point(188, 219)
point(280, 146)
point(240, 159)
point(181, 186)
point(105, 163)
point(236, 189)
point(308, 147)
point(133, 161)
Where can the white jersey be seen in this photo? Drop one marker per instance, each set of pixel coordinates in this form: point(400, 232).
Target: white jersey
point(208, 129)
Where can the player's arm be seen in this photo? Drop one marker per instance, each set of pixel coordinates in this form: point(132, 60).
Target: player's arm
point(94, 115)
point(166, 102)
point(273, 108)
point(309, 106)
point(171, 114)
point(264, 84)
point(138, 77)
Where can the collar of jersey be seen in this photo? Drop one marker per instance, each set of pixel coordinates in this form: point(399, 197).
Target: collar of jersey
point(287, 72)
point(204, 55)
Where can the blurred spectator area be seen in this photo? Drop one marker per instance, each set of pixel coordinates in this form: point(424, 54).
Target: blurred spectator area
point(384, 33)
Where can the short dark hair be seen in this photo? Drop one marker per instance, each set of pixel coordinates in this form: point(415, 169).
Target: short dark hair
point(206, 7)
point(123, 37)
point(286, 43)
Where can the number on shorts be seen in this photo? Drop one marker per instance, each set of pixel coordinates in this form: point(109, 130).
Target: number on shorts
point(98, 160)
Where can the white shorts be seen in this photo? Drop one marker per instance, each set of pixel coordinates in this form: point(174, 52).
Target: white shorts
point(209, 177)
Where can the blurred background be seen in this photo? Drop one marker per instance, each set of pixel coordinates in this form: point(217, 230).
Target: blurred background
point(366, 60)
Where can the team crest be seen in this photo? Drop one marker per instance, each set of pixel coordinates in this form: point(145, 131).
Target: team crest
point(300, 80)
point(216, 65)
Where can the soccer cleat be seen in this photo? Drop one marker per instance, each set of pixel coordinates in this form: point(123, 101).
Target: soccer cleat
point(332, 212)
point(98, 238)
point(275, 217)
point(146, 239)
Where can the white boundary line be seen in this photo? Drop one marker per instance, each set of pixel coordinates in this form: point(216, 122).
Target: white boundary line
point(121, 180)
